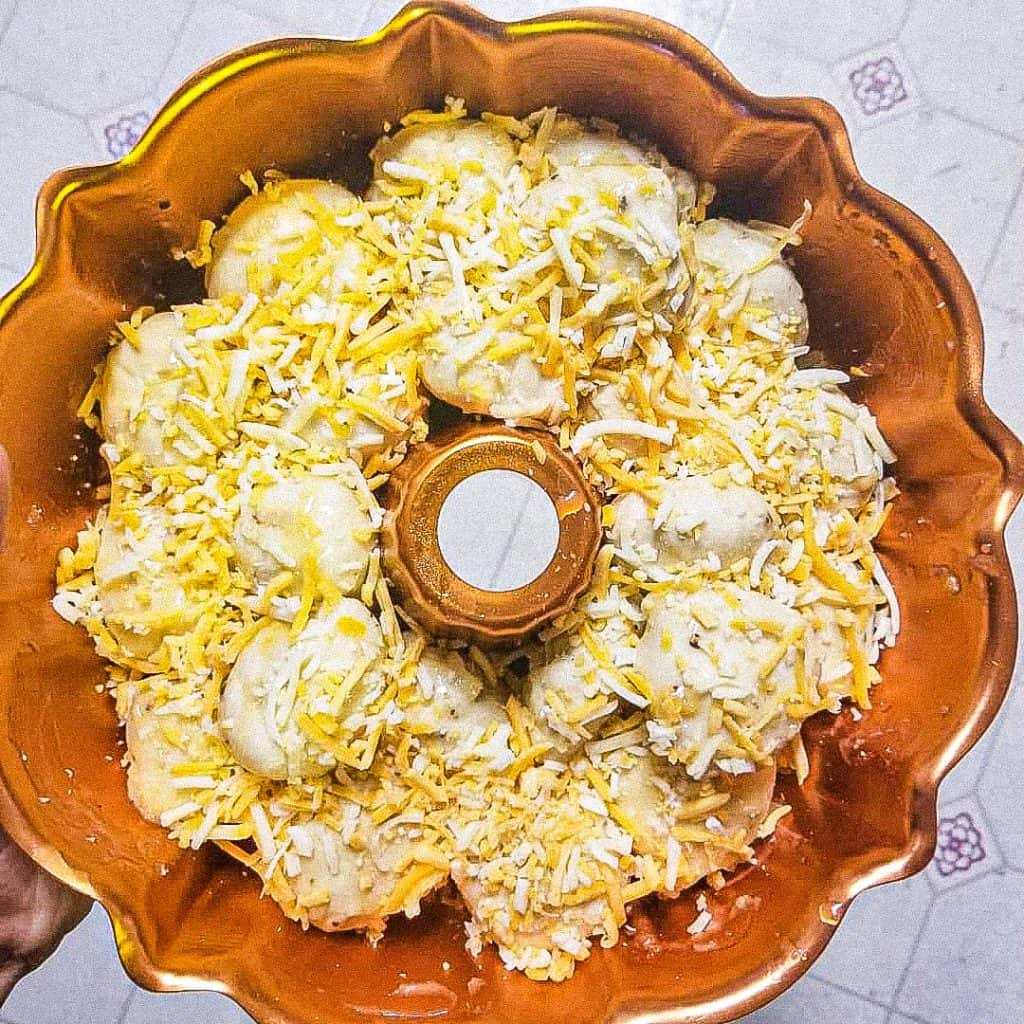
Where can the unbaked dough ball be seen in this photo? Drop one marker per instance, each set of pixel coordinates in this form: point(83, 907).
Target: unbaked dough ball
point(657, 796)
point(470, 154)
point(568, 695)
point(276, 679)
point(574, 144)
point(141, 599)
point(700, 650)
point(263, 227)
point(140, 389)
point(631, 211)
point(306, 523)
point(694, 519)
point(745, 262)
point(357, 882)
point(848, 458)
point(158, 741)
point(447, 696)
point(513, 389)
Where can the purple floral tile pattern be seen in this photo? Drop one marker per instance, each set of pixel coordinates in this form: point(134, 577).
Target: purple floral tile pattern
point(123, 133)
point(878, 86)
point(960, 844)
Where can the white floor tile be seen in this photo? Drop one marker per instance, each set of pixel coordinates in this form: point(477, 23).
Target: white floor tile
point(9, 277)
point(825, 31)
point(968, 58)
point(211, 30)
point(314, 17)
point(184, 1008)
point(1004, 286)
point(478, 523)
point(701, 18)
point(967, 965)
point(794, 75)
point(999, 786)
point(84, 983)
point(952, 174)
point(34, 142)
point(1004, 362)
point(873, 942)
point(113, 47)
point(812, 1000)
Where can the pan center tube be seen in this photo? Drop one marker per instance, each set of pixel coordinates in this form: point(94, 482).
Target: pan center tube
point(439, 535)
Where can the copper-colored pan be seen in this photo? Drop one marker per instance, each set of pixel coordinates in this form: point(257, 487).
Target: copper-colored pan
point(884, 293)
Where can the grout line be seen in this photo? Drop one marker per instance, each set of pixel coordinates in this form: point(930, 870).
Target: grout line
point(507, 548)
point(373, 20)
point(41, 101)
point(1015, 198)
point(990, 836)
point(160, 94)
point(929, 881)
point(282, 28)
point(980, 125)
point(846, 990)
point(243, 6)
point(893, 1012)
point(730, 9)
point(973, 874)
point(995, 730)
point(906, 17)
point(287, 26)
point(123, 1015)
point(8, 21)
point(898, 991)
point(678, 14)
point(891, 40)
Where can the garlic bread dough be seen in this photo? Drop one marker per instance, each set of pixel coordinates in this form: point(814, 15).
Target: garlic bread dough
point(746, 264)
point(470, 155)
point(139, 601)
point(575, 144)
point(546, 271)
point(310, 526)
point(514, 901)
point(610, 221)
point(513, 390)
point(453, 708)
point(357, 878)
point(695, 519)
point(701, 650)
point(280, 685)
point(267, 226)
point(161, 748)
point(142, 380)
point(667, 807)
point(569, 694)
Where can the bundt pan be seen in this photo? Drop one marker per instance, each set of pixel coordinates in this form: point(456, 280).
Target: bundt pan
point(884, 292)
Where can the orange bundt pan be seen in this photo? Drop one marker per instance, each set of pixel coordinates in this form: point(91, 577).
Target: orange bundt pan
point(884, 292)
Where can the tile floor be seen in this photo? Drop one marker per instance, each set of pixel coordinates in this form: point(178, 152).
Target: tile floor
point(933, 92)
